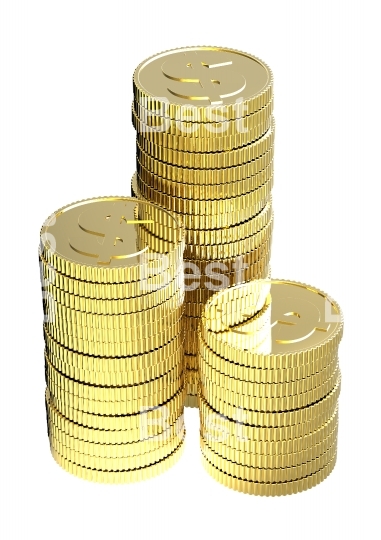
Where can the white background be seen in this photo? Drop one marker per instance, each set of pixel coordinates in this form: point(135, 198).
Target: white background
point(66, 134)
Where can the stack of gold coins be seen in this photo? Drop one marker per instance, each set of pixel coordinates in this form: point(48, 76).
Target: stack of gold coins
point(269, 386)
point(205, 136)
point(112, 279)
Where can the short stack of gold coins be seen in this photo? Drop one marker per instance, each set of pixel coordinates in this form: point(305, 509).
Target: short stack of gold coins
point(113, 338)
point(269, 386)
point(205, 136)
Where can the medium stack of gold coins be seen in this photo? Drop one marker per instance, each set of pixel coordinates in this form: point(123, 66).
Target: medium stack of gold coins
point(113, 338)
point(205, 136)
point(269, 386)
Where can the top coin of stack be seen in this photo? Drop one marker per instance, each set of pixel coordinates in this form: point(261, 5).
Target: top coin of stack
point(205, 136)
point(113, 338)
point(269, 386)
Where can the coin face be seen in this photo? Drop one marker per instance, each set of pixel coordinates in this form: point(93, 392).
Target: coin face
point(109, 232)
point(302, 317)
point(202, 76)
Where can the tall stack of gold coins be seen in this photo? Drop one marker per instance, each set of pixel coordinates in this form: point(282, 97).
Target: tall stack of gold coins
point(205, 135)
point(113, 338)
point(269, 386)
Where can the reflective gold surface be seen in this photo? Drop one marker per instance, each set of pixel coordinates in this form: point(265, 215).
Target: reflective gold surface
point(112, 429)
point(205, 149)
point(113, 289)
point(256, 123)
point(305, 324)
point(212, 78)
point(269, 382)
point(270, 488)
point(137, 324)
point(196, 143)
point(101, 239)
point(209, 160)
point(121, 476)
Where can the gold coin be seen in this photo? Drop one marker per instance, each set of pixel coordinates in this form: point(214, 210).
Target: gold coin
point(306, 324)
point(258, 323)
point(202, 176)
point(116, 429)
point(287, 439)
point(209, 284)
point(119, 463)
point(147, 302)
point(208, 207)
point(230, 263)
point(98, 240)
point(155, 289)
point(123, 442)
point(119, 477)
point(115, 451)
point(259, 376)
point(241, 304)
point(125, 297)
point(177, 84)
point(245, 130)
point(196, 143)
point(256, 474)
point(121, 365)
point(200, 287)
point(149, 238)
point(271, 461)
point(151, 303)
point(132, 324)
point(264, 389)
point(269, 404)
point(210, 274)
point(127, 377)
point(210, 160)
point(212, 221)
point(110, 394)
point(164, 229)
point(62, 399)
point(250, 122)
point(233, 233)
point(321, 409)
point(205, 191)
point(114, 347)
point(88, 326)
point(269, 489)
point(230, 250)
point(201, 221)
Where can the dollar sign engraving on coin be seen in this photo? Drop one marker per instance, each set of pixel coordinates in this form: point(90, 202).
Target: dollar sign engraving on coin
point(203, 76)
point(295, 320)
point(112, 236)
point(292, 320)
